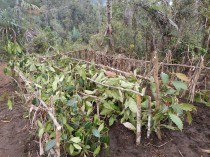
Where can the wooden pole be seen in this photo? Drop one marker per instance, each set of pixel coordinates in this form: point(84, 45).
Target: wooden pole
point(138, 119)
point(157, 89)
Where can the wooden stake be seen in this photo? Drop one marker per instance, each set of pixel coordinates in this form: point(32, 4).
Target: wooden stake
point(149, 117)
point(157, 96)
point(138, 115)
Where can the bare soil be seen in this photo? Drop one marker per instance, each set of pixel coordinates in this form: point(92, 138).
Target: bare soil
point(17, 141)
point(15, 137)
point(188, 143)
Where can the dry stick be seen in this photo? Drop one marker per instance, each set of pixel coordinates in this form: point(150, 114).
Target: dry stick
point(58, 127)
point(119, 88)
point(157, 97)
point(138, 119)
point(149, 117)
point(113, 69)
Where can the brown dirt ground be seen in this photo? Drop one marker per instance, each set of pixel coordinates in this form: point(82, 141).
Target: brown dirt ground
point(187, 143)
point(16, 140)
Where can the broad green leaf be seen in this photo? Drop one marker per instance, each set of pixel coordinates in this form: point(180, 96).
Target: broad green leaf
point(52, 69)
point(32, 67)
point(61, 78)
point(100, 77)
point(131, 104)
point(187, 107)
point(82, 73)
point(113, 94)
point(108, 105)
point(182, 77)
point(88, 104)
point(111, 120)
point(129, 126)
point(90, 92)
point(9, 104)
point(101, 127)
point(179, 85)
point(170, 91)
point(69, 128)
point(176, 120)
point(77, 146)
point(96, 133)
point(39, 124)
point(72, 102)
point(54, 85)
point(96, 151)
point(105, 111)
point(75, 139)
point(168, 127)
point(50, 144)
point(189, 117)
point(126, 84)
point(165, 78)
point(71, 149)
point(41, 132)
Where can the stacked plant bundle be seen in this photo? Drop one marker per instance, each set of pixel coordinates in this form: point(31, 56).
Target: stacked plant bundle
point(86, 101)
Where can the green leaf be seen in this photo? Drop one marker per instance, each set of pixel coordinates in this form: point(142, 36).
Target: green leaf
point(101, 127)
point(32, 67)
point(71, 149)
point(52, 69)
point(179, 85)
point(69, 128)
point(72, 102)
point(39, 124)
point(131, 104)
point(82, 73)
point(96, 133)
point(182, 77)
point(77, 146)
point(105, 111)
point(187, 107)
point(90, 92)
point(88, 104)
point(129, 126)
point(126, 84)
point(107, 105)
point(165, 78)
point(75, 139)
point(100, 77)
point(50, 144)
point(189, 117)
point(176, 120)
point(41, 132)
point(54, 85)
point(170, 91)
point(111, 120)
point(97, 150)
point(9, 104)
